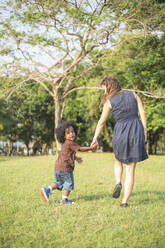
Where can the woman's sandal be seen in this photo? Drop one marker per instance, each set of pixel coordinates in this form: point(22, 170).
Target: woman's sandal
point(124, 205)
point(117, 190)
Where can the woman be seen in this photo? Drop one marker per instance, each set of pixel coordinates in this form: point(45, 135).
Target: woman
point(130, 134)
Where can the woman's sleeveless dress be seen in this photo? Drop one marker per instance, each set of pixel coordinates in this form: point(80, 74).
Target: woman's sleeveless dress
point(128, 141)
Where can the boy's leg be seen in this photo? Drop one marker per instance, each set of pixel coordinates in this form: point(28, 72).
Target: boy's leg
point(66, 193)
point(64, 199)
point(53, 186)
point(68, 187)
point(46, 191)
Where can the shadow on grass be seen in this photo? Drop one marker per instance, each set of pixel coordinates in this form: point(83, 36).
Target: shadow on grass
point(142, 197)
point(147, 197)
point(159, 154)
point(4, 159)
point(93, 197)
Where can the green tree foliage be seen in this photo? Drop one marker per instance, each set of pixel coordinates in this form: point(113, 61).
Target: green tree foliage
point(8, 122)
point(85, 108)
point(155, 110)
point(44, 41)
point(28, 117)
point(139, 64)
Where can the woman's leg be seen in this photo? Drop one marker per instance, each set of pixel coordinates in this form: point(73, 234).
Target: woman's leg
point(118, 170)
point(129, 181)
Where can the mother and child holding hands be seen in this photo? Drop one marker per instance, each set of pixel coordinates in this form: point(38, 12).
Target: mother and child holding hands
point(129, 139)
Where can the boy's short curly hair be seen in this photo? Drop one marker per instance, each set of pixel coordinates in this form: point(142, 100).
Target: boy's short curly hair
point(60, 130)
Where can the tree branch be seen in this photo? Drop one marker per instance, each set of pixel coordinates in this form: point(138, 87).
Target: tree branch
point(81, 88)
point(15, 88)
point(148, 94)
point(36, 79)
point(66, 51)
point(145, 93)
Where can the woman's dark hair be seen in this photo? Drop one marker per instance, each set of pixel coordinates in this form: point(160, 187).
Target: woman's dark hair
point(60, 130)
point(112, 85)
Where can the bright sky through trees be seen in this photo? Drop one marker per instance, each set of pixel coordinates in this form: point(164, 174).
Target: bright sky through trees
point(25, 49)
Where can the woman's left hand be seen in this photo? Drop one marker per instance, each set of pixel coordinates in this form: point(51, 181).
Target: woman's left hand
point(145, 135)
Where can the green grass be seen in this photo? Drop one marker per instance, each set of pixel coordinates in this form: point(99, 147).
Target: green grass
point(96, 220)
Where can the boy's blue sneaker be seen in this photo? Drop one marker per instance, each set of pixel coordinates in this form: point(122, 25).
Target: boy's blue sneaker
point(66, 201)
point(45, 193)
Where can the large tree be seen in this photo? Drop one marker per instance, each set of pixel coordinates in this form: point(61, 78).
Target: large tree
point(45, 40)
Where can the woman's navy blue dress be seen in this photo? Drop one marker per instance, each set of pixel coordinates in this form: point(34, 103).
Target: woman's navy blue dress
point(128, 141)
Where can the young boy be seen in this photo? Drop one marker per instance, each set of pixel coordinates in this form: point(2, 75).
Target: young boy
point(64, 165)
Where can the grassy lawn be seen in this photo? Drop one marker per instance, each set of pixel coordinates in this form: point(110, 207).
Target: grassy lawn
point(96, 220)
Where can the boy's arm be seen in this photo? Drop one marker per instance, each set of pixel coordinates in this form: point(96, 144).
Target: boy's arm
point(74, 147)
point(87, 148)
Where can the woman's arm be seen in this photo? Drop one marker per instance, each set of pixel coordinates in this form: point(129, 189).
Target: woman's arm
point(141, 111)
point(106, 109)
point(142, 114)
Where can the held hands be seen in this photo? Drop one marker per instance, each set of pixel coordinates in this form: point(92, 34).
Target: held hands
point(94, 142)
point(94, 145)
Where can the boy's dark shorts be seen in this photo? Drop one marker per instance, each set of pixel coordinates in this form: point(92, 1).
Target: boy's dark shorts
point(64, 180)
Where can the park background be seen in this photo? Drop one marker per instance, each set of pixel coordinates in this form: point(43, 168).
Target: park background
point(53, 55)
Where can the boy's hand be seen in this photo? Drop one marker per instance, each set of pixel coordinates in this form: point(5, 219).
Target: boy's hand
point(79, 159)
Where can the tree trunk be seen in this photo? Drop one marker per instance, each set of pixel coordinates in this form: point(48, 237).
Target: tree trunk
point(10, 147)
point(155, 148)
point(27, 147)
point(151, 142)
point(57, 115)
